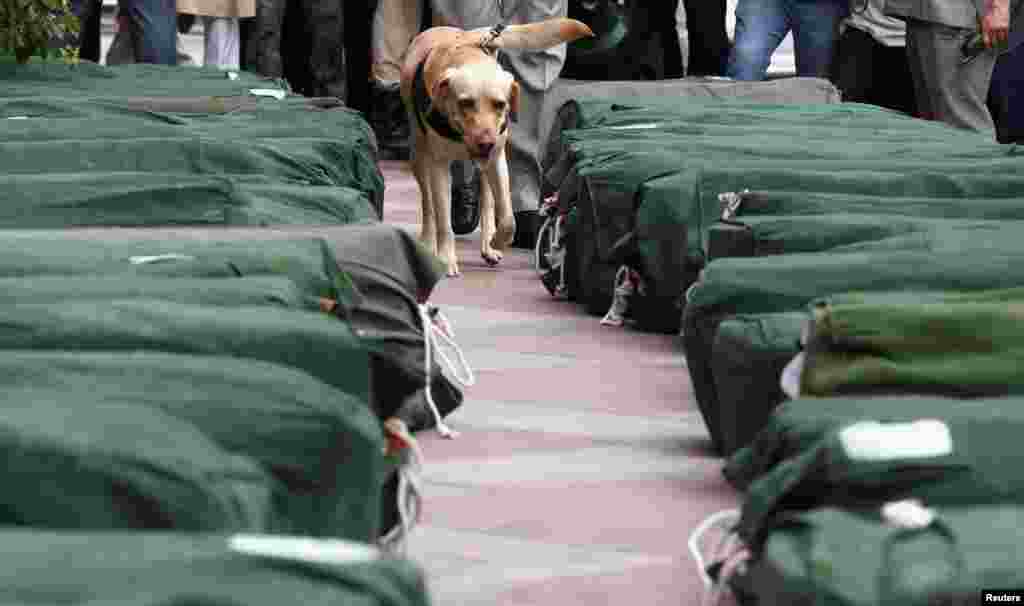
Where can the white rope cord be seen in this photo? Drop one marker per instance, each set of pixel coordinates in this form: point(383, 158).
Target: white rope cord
point(435, 333)
point(620, 300)
point(561, 288)
point(544, 227)
point(410, 500)
point(718, 519)
point(730, 566)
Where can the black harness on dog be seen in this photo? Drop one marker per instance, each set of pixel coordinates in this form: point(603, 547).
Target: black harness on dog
point(425, 111)
point(423, 106)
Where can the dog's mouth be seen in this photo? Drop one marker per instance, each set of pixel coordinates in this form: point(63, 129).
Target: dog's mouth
point(481, 152)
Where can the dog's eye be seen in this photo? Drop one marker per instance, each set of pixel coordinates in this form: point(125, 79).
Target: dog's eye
point(500, 105)
point(466, 104)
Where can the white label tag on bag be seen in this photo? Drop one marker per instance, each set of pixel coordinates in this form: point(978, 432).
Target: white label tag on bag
point(144, 259)
point(302, 549)
point(909, 513)
point(874, 441)
point(268, 92)
point(643, 126)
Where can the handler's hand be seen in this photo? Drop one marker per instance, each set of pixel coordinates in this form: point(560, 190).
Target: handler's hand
point(995, 23)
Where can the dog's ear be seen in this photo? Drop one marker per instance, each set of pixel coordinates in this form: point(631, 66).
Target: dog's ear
point(443, 87)
point(513, 98)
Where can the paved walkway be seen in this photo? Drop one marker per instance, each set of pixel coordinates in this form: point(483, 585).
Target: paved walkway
point(582, 464)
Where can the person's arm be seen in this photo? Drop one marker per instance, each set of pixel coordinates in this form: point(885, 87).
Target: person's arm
point(995, 23)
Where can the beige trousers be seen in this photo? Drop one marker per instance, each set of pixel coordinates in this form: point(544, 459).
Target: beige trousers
point(395, 24)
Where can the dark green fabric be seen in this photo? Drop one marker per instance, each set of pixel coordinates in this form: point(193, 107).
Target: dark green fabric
point(962, 345)
point(796, 426)
point(788, 234)
point(322, 446)
point(309, 161)
point(747, 357)
point(839, 557)
point(607, 174)
point(308, 261)
point(217, 292)
point(41, 79)
point(134, 199)
point(676, 213)
point(297, 140)
point(153, 569)
point(73, 461)
point(967, 260)
point(307, 341)
point(803, 462)
point(393, 273)
point(585, 104)
point(378, 274)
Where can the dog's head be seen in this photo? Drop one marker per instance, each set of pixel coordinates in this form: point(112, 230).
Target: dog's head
point(479, 98)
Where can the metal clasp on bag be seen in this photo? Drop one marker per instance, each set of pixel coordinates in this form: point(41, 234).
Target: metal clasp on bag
point(732, 202)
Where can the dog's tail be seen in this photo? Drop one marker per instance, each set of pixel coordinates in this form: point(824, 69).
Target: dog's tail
point(542, 35)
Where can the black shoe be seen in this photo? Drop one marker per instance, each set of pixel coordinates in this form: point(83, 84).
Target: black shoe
point(465, 198)
point(527, 225)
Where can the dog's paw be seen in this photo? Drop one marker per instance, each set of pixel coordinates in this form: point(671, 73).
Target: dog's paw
point(504, 236)
point(491, 257)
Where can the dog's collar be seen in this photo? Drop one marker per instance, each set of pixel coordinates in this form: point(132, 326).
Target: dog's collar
point(426, 113)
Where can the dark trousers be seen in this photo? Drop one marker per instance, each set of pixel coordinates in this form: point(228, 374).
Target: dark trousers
point(156, 22)
point(303, 41)
point(89, 13)
point(866, 71)
point(709, 42)
point(1006, 96)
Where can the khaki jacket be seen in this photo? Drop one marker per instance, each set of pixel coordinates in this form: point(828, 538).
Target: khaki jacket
point(218, 8)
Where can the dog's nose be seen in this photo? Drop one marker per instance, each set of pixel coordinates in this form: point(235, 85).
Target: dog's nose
point(485, 149)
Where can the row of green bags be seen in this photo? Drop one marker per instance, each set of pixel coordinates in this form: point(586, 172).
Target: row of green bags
point(985, 257)
point(376, 274)
point(75, 119)
point(609, 165)
point(140, 197)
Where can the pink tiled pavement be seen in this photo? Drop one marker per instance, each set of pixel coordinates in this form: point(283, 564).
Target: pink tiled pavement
point(588, 495)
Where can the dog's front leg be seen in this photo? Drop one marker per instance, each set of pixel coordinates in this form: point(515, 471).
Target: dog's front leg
point(487, 225)
point(498, 180)
point(439, 174)
point(428, 227)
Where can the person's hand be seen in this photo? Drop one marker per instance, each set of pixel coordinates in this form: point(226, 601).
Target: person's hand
point(995, 23)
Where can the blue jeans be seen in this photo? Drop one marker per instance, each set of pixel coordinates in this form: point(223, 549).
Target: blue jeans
point(762, 24)
point(156, 28)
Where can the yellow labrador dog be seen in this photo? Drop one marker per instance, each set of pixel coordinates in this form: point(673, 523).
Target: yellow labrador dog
point(459, 102)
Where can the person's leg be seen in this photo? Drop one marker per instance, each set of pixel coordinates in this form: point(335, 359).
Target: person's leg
point(264, 45)
point(683, 39)
point(156, 30)
point(535, 72)
point(708, 41)
point(760, 27)
point(894, 87)
point(915, 65)
point(854, 69)
point(395, 24)
point(221, 37)
point(327, 59)
point(957, 91)
point(815, 29)
point(90, 13)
